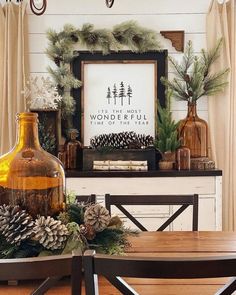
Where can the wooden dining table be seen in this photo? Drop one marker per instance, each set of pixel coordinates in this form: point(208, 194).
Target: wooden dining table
point(157, 244)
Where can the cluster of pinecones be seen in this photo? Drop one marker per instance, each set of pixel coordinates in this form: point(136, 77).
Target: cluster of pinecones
point(16, 225)
point(122, 140)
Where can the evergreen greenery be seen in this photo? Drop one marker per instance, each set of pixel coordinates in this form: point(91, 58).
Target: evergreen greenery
point(46, 138)
point(193, 75)
point(61, 51)
point(112, 241)
point(167, 134)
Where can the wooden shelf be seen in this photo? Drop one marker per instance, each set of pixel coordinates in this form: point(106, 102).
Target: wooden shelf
point(156, 173)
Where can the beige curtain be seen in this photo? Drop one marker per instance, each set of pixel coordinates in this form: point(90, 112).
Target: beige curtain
point(222, 108)
point(14, 69)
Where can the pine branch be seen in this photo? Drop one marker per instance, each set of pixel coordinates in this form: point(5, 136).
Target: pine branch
point(98, 39)
point(68, 106)
point(212, 55)
point(194, 80)
point(179, 69)
point(188, 57)
point(52, 36)
point(177, 88)
point(137, 38)
point(64, 78)
point(215, 83)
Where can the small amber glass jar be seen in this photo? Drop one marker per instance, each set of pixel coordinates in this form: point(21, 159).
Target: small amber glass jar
point(183, 158)
point(29, 176)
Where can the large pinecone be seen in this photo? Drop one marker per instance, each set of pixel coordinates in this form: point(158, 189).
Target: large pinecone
point(97, 216)
point(50, 233)
point(15, 224)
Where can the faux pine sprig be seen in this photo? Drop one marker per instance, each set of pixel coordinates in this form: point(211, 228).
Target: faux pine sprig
point(193, 75)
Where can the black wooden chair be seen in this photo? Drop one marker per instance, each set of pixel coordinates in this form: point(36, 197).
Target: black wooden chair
point(86, 198)
point(115, 267)
point(51, 268)
point(184, 200)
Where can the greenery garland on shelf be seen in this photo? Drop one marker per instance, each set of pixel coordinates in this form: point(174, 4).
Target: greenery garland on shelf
point(81, 226)
point(61, 51)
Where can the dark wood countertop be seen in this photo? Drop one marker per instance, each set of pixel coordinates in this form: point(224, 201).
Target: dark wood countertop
point(152, 173)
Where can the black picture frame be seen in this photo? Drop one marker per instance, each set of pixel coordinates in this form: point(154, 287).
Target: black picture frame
point(49, 129)
point(160, 57)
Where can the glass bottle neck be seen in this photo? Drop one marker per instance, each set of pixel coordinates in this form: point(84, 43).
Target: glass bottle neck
point(27, 136)
point(192, 109)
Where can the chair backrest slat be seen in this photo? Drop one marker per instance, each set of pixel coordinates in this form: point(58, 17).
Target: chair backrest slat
point(35, 268)
point(183, 200)
point(147, 267)
point(44, 268)
point(86, 198)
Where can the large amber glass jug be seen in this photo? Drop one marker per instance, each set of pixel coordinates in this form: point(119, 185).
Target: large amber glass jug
point(194, 133)
point(29, 176)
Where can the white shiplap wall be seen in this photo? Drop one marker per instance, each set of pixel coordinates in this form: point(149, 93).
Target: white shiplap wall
point(187, 15)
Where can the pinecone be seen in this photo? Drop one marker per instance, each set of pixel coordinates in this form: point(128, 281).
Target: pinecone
point(74, 38)
point(97, 216)
point(15, 224)
point(92, 39)
point(87, 231)
point(50, 233)
point(57, 60)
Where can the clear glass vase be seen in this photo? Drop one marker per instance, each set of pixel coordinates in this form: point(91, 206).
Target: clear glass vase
point(194, 133)
point(29, 176)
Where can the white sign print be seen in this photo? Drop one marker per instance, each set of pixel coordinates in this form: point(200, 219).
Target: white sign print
point(119, 97)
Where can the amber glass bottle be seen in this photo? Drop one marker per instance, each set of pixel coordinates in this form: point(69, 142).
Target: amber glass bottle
point(74, 151)
point(183, 158)
point(194, 133)
point(29, 176)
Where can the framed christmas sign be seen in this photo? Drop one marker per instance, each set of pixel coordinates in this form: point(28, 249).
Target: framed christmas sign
point(119, 92)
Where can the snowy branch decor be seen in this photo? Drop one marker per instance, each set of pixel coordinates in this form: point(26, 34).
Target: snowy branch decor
point(42, 94)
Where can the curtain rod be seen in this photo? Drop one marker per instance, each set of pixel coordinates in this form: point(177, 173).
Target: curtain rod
point(109, 3)
point(34, 8)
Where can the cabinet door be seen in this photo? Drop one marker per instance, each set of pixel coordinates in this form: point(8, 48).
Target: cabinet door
point(206, 216)
point(151, 217)
point(208, 188)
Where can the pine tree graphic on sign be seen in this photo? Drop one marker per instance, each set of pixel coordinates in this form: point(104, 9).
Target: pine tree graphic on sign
point(114, 92)
point(129, 93)
point(108, 95)
point(122, 93)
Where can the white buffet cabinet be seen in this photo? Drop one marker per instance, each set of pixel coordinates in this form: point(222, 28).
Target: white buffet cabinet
point(207, 184)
